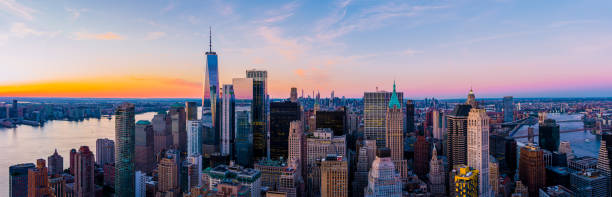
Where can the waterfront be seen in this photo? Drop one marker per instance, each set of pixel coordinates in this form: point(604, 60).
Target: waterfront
point(576, 139)
point(25, 144)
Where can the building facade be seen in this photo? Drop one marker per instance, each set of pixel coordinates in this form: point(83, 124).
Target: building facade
point(375, 105)
point(532, 170)
point(105, 151)
point(227, 119)
point(18, 179)
point(84, 173)
point(124, 150)
point(260, 112)
point(334, 176)
point(466, 181)
point(548, 138)
point(144, 155)
point(478, 147)
point(56, 163)
point(281, 115)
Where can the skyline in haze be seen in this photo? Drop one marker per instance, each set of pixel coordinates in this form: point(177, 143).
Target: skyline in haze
point(431, 48)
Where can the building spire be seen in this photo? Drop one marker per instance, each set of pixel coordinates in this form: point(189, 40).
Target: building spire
point(209, 39)
point(394, 102)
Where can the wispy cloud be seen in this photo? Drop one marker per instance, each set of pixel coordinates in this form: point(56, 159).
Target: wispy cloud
point(21, 30)
point(290, 48)
point(76, 13)
point(168, 7)
point(281, 14)
point(155, 35)
point(17, 9)
point(99, 36)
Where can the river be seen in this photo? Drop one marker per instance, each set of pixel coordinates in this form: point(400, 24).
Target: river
point(583, 143)
point(25, 144)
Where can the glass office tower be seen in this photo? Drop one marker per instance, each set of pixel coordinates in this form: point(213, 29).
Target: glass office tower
point(124, 149)
point(260, 109)
point(281, 115)
point(210, 99)
point(243, 98)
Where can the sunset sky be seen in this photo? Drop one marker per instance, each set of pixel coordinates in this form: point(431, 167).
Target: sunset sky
point(431, 48)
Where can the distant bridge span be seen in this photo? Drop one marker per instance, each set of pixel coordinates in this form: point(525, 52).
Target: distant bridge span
point(564, 131)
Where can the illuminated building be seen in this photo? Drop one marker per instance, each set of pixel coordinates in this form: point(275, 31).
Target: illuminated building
point(466, 182)
point(375, 105)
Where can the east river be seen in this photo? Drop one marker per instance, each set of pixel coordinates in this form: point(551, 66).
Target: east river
point(25, 144)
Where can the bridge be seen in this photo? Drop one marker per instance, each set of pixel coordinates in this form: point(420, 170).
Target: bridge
point(560, 121)
point(563, 131)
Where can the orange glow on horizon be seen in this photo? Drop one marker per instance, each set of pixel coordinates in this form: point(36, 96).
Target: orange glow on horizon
point(106, 87)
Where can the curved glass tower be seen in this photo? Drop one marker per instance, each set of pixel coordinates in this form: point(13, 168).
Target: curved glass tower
point(210, 99)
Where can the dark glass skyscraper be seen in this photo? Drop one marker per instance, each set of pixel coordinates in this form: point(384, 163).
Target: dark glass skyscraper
point(18, 179)
point(243, 95)
point(456, 141)
point(260, 109)
point(124, 150)
point(549, 135)
point(281, 115)
point(335, 120)
point(409, 117)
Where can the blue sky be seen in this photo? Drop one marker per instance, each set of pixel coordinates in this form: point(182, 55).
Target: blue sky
point(432, 48)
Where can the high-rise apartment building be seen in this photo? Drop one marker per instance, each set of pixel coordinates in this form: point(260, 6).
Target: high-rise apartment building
point(394, 126)
point(383, 179)
point(38, 180)
point(260, 111)
point(466, 181)
point(84, 173)
point(436, 176)
point(532, 170)
point(144, 156)
point(56, 163)
point(508, 109)
point(105, 151)
point(227, 119)
point(18, 179)
point(334, 176)
point(281, 115)
point(549, 135)
point(375, 105)
point(456, 141)
point(178, 126)
point(243, 93)
point(194, 137)
point(124, 149)
point(168, 173)
point(478, 147)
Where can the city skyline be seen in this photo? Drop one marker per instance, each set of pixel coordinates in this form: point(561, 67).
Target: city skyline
point(432, 49)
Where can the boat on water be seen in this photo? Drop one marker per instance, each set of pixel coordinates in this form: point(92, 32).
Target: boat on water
point(587, 140)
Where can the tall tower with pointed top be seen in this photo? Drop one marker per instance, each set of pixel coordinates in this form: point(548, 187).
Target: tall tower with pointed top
point(478, 147)
point(436, 174)
point(471, 99)
point(395, 134)
point(210, 99)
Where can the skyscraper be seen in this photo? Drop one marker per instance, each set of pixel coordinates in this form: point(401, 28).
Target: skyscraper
point(603, 160)
point(466, 181)
point(438, 124)
point(84, 173)
point(532, 171)
point(549, 135)
point(210, 99)
point(227, 119)
point(18, 179)
point(334, 176)
point(105, 151)
point(281, 115)
point(436, 176)
point(293, 96)
point(421, 156)
point(508, 109)
point(366, 154)
point(478, 147)
point(38, 180)
point(124, 150)
point(144, 157)
point(383, 179)
point(243, 93)
point(260, 109)
point(394, 126)
point(191, 110)
point(178, 126)
point(194, 137)
point(168, 181)
point(161, 126)
point(471, 99)
point(318, 144)
point(73, 153)
point(297, 142)
point(409, 117)
point(56, 163)
point(456, 142)
point(335, 120)
point(375, 105)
